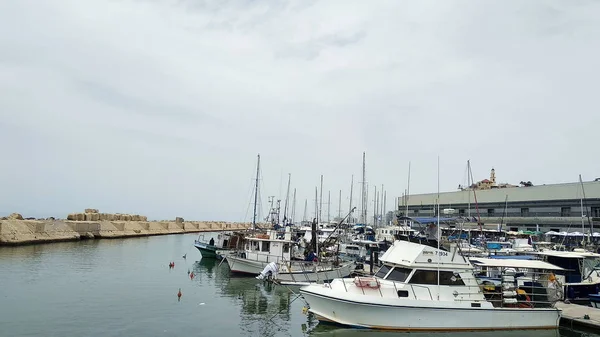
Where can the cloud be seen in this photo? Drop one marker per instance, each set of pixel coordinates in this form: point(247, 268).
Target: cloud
point(160, 107)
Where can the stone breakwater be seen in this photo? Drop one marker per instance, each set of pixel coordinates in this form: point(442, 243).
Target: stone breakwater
point(16, 231)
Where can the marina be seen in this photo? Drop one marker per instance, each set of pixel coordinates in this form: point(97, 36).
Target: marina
point(125, 287)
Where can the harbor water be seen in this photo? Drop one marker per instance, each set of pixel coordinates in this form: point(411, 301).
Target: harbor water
point(124, 287)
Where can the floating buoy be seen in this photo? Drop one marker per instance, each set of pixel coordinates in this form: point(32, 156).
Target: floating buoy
point(191, 275)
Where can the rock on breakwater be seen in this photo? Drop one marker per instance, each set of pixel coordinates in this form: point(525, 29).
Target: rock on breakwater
point(16, 232)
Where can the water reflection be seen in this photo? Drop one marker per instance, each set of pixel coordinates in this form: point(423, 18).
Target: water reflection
point(327, 330)
point(265, 308)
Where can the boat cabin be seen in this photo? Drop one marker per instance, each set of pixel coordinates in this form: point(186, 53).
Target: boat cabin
point(266, 247)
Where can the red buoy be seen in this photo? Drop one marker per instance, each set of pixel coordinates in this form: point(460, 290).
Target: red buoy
point(191, 275)
point(179, 294)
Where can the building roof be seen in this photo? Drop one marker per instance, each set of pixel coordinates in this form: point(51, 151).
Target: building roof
point(565, 191)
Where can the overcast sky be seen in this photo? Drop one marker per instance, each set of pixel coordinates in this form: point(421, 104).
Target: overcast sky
point(160, 107)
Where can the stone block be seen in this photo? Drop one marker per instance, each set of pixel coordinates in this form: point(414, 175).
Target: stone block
point(72, 217)
point(91, 210)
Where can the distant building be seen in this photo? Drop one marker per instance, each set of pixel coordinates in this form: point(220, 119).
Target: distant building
point(555, 207)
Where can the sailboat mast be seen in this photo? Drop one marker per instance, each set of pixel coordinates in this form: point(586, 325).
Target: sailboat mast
point(304, 219)
point(328, 206)
point(476, 204)
point(293, 207)
point(375, 207)
point(351, 189)
point(363, 194)
point(340, 205)
point(287, 197)
point(320, 202)
point(586, 210)
point(407, 190)
point(256, 192)
point(384, 206)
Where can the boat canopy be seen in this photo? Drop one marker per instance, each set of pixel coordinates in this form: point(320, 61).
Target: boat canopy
point(514, 263)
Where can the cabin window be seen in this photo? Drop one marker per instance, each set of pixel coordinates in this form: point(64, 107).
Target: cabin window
point(255, 245)
point(286, 247)
point(402, 293)
point(447, 278)
point(490, 212)
point(565, 211)
point(524, 211)
point(596, 212)
point(265, 246)
point(399, 274)
point(461, 212)
point(383, 271)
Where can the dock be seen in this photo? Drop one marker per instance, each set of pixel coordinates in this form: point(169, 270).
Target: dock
point(578, 315)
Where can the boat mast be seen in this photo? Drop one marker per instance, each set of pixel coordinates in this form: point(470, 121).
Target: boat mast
point(320, 218)
point(351, 189)
point(256, 192)
point(439, 231)
point(476, 204)
point(294, 207)
point(384, 206)
point(304, 218)
point(363, 196)
point(340, 205)
point(375, 207)
point(407, 191)
point(503, 214)
point(586, 210)
point(380, 220)
point(287, 197)
point(328, 206)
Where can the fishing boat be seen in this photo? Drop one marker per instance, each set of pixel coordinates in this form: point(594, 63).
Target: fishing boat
point(211, 248)
point(581, 276)
point(276, 256)
point(420, 287)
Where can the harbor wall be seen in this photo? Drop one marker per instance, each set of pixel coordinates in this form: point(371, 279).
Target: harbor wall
point(18, 232)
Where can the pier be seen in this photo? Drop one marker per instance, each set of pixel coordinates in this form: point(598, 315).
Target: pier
point(574, 315)
point(14, 230)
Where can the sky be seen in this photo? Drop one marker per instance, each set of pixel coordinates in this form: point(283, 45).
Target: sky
point(160, 107)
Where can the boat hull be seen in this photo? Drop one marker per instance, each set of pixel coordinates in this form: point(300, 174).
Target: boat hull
point(208, 251)
point(415, 316)
point(308, 275)
point(595, 300)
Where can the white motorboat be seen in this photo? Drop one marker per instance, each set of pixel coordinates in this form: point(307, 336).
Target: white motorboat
point(424, 288)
